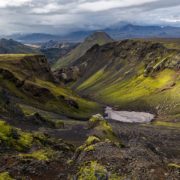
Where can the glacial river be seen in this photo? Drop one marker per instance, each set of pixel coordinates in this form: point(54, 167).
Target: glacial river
point(128, 116)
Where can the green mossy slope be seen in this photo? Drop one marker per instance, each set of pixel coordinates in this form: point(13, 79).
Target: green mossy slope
point(29, 78)
point(132, 75)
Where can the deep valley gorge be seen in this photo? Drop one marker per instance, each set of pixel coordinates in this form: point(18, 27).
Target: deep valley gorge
point(104, 110)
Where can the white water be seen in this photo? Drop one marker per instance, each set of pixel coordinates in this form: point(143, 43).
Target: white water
point(128, 116)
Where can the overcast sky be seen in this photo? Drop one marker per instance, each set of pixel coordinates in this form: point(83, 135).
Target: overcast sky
point(62, 16)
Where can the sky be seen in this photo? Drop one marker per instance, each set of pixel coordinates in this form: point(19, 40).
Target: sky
point(64, 16)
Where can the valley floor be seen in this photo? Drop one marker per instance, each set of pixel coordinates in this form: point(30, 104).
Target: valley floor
point(150, 150)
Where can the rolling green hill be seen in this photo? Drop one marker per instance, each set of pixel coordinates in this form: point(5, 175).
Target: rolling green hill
point(96, 38)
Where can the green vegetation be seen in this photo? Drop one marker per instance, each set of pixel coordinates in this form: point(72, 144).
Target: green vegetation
point(132, 75)
point(172, 165)
point(95, 171)
point(5, 131)
point(86, 108)
point(14, 138)
point(167, 124)
point(13, 57)
point(93, 79)
point(102, 129)
point(171, 43)
point(41, 155)
point(101, 132)
point(59, 124)
point(92, 140)
point(5, 176)
point(42, 93)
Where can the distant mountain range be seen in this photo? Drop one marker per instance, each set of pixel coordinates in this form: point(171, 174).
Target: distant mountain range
point(118, 31)
point(9, 46)
point(136, 31)
point(54, 50)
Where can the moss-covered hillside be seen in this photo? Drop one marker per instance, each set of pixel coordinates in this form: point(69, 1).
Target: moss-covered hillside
point(132, 74)
point(29, 80)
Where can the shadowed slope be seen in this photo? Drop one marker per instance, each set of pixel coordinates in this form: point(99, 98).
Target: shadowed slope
point(96, 38)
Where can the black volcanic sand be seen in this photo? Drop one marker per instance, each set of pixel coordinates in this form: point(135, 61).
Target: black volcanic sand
point(146, 145)
point(164, 141)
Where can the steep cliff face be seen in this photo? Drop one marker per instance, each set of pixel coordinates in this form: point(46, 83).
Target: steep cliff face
point(131, 74)
point(29, 79)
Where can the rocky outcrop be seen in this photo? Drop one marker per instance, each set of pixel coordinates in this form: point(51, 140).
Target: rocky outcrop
point(27, 66)
point(37, 66)
point(27, 86)
point(71, 74)
point(103, 156)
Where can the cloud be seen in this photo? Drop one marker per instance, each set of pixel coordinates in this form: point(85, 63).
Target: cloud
point(106, 4)
point(6, 3)
point(47, 8)
point(63, 16)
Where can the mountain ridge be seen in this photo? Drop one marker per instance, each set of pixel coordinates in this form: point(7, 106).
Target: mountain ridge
point(95, 38)
point(9, 46)
point(116, 31)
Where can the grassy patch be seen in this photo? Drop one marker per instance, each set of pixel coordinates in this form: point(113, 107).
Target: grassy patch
point(102, 129)
point(93, 171)
point(172, 165)
point(14, 138)
point(167, 124)
point(93, 79)
point(41, 155)
point(5, 176)
point(13, 57)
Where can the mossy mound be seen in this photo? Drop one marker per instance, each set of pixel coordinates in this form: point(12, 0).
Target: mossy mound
point(95, 171)
point(173, 165)
point(31, 154)
point(90, 159)
point(101, 129)
point(14, 138)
